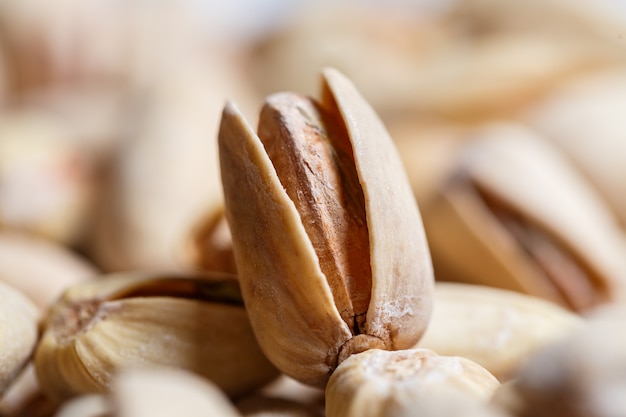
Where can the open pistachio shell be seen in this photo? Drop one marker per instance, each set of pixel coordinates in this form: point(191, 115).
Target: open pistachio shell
point(495, 328)
point(516, 215)
point(585, 120)
point(305, 319)
point(378, 383)
point(197, 323)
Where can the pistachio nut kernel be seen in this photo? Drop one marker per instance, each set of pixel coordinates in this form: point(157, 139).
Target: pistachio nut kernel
point(328, 240)
point(133, 320)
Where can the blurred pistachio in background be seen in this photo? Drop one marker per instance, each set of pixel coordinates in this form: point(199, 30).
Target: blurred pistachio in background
point(110, 108)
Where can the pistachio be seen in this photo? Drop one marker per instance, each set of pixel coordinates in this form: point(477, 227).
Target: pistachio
point(87, 405)
point(46, 181)
point(583, 119)
point(498, 329)
point(328, 239)
point(198, 323)
point(262, 406)
point(154, 213)
point(18, 332)
point(168, 392)
point(515, 215)
point(40, 269)
point(581, 375)
point(382, 383)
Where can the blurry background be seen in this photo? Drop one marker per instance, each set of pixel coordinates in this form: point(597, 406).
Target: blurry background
point(110, 108)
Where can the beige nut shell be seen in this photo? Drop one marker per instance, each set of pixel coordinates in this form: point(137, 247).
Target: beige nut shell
point(288, 298)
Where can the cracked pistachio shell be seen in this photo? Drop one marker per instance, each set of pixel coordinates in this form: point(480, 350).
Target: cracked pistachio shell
point(382, 383)
point(294, 312)
point(514, 214)
point(498, 329)
point(18, 332)
point(131, 320)
point(585, 120)
point(161, 205)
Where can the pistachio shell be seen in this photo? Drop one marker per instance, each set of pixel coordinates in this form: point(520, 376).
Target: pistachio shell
point(581, 375)
point(584, 120)
point(495, 328)
point(372, 383)
point(152, 201)
point(198, 323)
point(41, 269)
point(289, 299)
point(168, 392)
point(560, 241)
point(46, 181)
point(18, 332)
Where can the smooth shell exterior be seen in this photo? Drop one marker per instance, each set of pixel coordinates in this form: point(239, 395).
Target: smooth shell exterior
point(97, 330)
point(18, 332)
point(41, 269)
point(536, 183)
point(168, 392)
point(287, 296)
point(581, 375)
point(495, 328)
point(585, 120)
point(368, 383)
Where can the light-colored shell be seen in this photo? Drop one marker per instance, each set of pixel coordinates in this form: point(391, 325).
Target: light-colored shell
point(163, 186)
point(585, 120)
point(41, 269)
point(46, 181)
point(88, 405)
point(533, 181)
point(289, 301)
point(581, 375)
point(166, 393)
point(495, 328)
point(262, 406)
point(18, 333)
point(97, 330)
point(378, 383)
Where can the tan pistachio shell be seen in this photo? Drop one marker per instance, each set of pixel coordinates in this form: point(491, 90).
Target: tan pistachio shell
point(18, 332)
point(161, 203)
point(39, 268)
point(571, 251)
point(166, 392)
point(585, 120)
point(132, 320)
point(47, 182)
point(263, 406)
point(288, 297)
point(495, 328)
point(581, 375)
point(378, 383)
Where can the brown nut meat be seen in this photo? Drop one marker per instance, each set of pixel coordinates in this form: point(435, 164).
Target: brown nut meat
point(328, 239)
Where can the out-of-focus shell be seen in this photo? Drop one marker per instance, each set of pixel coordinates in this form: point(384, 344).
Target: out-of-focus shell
point(40, 269)
point(585, 120)
point(560, 242)
point(495, 328)
point(47, 182)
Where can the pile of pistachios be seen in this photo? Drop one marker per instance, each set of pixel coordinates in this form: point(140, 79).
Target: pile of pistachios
point(363, 211)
